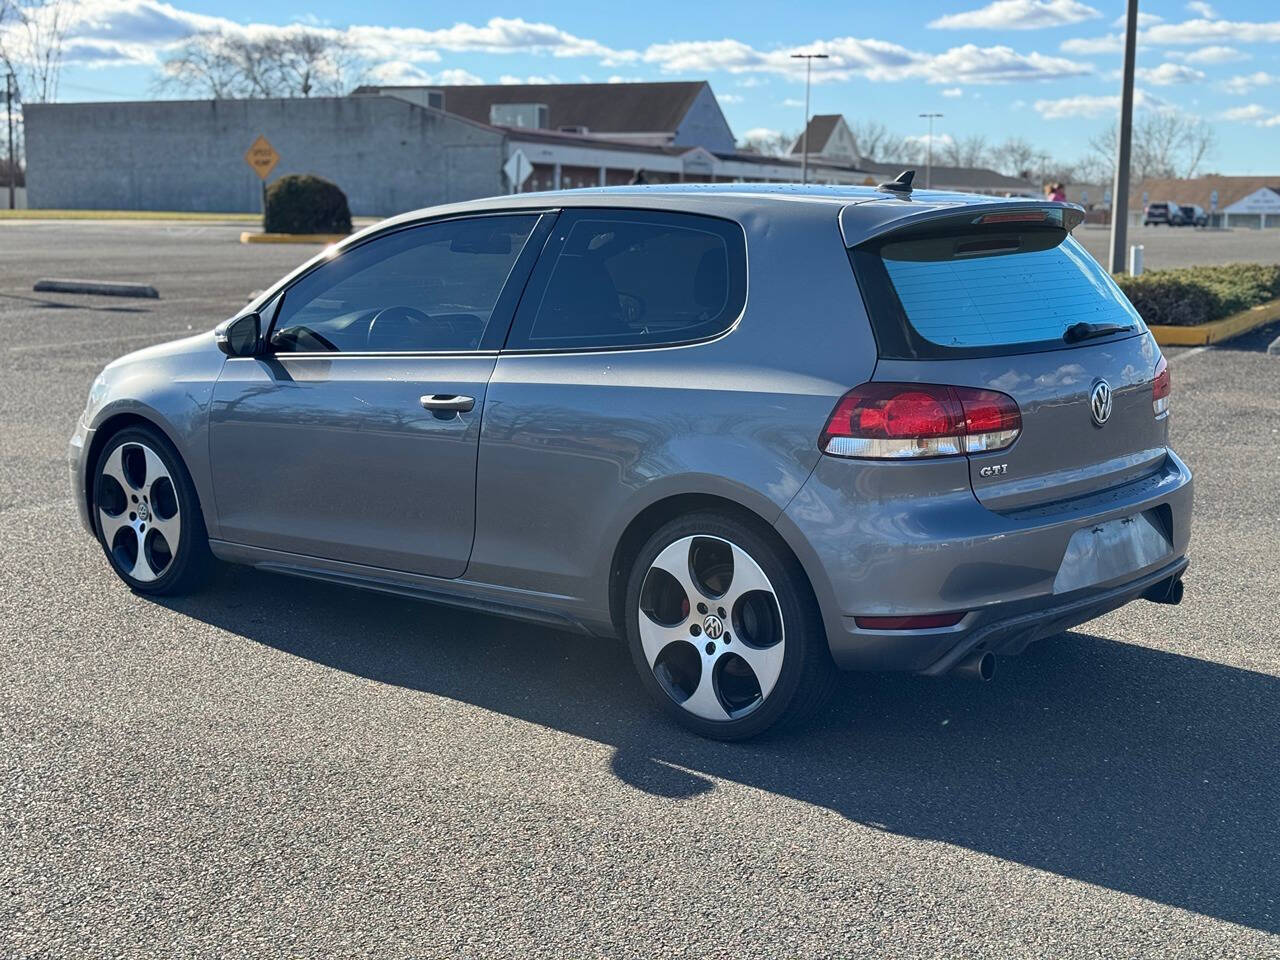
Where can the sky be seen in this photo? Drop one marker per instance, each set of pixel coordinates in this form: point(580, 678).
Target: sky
point(1045, 70)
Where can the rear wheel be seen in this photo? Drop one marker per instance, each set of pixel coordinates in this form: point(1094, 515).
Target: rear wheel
point(724, 629)
point(147, 515)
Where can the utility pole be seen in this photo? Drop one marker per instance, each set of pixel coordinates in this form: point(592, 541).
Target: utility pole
point(1120, 190)
point(808, 59)
point(928, 167)
point(10, 81)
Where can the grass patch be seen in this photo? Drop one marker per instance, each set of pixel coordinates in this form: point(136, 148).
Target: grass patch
point(1191, 296)
point(128, 215)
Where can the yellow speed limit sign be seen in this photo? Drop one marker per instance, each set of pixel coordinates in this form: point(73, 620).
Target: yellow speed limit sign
point(262, 157)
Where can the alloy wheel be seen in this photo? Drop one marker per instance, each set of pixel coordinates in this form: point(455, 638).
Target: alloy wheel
point(137, 503)
point(711, 628)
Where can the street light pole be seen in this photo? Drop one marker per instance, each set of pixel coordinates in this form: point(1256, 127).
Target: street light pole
point(1120, 190)
point(808, 59)
point(928, 168)
point(9, 84)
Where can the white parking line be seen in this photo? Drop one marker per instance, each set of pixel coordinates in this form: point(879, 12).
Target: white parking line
point(1192, 352)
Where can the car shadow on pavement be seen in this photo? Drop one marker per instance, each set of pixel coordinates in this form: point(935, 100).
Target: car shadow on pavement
point(1142, 771)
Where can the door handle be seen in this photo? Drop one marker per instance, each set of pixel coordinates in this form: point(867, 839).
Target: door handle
point(447, 402)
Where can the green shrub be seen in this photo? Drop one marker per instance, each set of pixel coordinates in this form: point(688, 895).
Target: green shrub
point(1194, 295)
point(305, 203)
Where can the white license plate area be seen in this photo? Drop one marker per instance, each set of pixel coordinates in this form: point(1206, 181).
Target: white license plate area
point(1105, 551)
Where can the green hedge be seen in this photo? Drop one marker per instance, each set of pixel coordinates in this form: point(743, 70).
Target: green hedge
point(305, 203)
point(1193, 295)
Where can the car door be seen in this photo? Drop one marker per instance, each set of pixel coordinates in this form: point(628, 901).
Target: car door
point(353, 436)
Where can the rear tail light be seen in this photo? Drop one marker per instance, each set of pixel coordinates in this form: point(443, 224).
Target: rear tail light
point(1160, 389)
point(892, 421)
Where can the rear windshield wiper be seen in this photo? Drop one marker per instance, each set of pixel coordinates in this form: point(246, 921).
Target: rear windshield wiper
point(1087, 331)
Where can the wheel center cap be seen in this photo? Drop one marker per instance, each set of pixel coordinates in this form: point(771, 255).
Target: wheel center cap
point(713, 627)
point(144, 512)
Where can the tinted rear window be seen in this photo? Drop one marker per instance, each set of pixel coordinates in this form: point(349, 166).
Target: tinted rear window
point(981, 291)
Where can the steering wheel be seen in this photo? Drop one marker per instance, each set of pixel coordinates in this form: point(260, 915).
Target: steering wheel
point(294, 339)
point(395, 323)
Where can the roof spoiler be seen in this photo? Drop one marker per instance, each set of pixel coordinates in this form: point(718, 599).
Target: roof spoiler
point(860, 222)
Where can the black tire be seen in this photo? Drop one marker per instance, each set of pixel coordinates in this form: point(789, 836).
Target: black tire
point(807, 674)
point(187, 567)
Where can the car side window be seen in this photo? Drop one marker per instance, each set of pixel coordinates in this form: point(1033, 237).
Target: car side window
point(431, 287)
point(633, 278)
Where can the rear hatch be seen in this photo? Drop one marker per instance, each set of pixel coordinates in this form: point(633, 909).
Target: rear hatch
point(1009, 302)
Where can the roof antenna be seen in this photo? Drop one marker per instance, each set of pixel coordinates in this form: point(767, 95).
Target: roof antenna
point(900, 185)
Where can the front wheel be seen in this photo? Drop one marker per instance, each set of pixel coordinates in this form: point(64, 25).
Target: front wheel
point(724, 629)
point(147, 514)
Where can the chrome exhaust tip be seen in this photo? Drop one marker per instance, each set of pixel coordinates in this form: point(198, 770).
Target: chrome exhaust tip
point(979, 665)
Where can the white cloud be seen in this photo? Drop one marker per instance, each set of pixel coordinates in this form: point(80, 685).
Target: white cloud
point(1205, 10)
point(1195, 33)
point(730, 97)
point(953, 92)
point(873, 59)
point(401, 73)
point(618, 78)
point(1211, 55)
point(792, 102)
point(1206, 33)
point(1253, 112)
point(761, 133)
point(1244, 83)
point(1091, 46)
point(1168, 74)
point(508, 79)
point(1018, 15)
point(1089, 105)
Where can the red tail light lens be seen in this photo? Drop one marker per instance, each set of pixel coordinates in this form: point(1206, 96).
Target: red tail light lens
point(1161, 387)
point(904, 420)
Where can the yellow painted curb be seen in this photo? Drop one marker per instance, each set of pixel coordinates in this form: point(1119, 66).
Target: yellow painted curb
point(1218, 330)
point(322, 239)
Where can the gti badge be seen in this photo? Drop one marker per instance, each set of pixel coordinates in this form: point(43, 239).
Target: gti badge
point(995, 470)
point(1100, 402)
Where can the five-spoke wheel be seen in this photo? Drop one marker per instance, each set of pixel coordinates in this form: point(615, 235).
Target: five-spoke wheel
point(144, 509)
point(720, 629)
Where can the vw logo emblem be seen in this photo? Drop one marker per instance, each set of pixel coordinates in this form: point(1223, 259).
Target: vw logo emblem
point(1100, 402)
point(713, 627)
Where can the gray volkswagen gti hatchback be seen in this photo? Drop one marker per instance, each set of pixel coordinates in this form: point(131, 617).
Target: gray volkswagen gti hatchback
point(759, 432)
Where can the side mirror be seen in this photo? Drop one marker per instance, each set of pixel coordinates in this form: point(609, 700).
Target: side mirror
point(239, 336)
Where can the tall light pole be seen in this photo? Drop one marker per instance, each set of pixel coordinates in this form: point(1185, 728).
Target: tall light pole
point(808, 59)
point(928, 168)
point(1120, 190)
point(10, 81)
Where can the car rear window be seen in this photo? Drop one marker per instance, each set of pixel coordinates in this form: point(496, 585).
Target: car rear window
point(974, 292)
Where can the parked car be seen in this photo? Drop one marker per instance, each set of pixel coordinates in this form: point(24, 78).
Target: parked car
point(759, 432)
point(1193, 215)
point(1168, 214)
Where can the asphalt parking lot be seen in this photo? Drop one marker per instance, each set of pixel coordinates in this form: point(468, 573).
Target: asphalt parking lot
point(276, 767)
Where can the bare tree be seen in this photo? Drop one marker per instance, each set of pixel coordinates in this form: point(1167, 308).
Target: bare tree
point(31, 42)
point(768, 143)
point(1165, 145)
point(966, 152)
point(292, 63)
point(1015, 157)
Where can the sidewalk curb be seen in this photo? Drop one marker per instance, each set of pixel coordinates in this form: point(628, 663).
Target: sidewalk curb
point(317, 238)
point(102, 288)
point(1219, 330)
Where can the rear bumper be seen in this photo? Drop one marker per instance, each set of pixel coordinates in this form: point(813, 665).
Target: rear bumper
point(904, 552)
